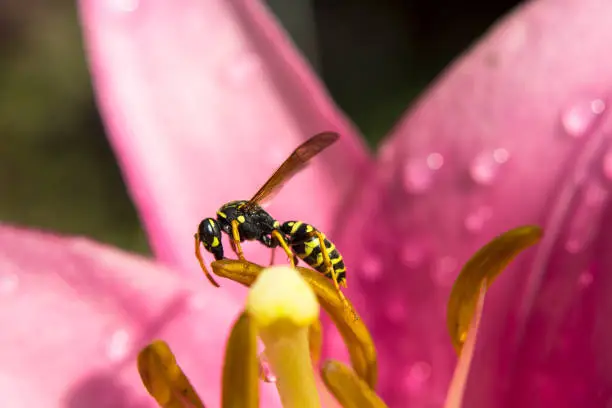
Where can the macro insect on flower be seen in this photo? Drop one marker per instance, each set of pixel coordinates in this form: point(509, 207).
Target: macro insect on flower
point(463, 159)
point(247, 220)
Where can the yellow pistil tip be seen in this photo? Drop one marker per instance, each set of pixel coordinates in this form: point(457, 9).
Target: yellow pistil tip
point(283, 306)
point(281, 296)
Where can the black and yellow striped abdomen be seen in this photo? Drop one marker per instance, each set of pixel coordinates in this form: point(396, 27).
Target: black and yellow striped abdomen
point(305, 243)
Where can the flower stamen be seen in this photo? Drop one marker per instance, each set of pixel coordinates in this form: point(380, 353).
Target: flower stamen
point(240, 369)
point(315, 341)
point(484, 266)
point(350, 390)
point(354, 331)
point(164, 379)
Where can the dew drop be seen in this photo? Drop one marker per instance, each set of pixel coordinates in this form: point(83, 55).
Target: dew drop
point(371, 267)
point(578, 119)
point(118, 345)
point(573, 246)
point(435, 161)
point(243, 70)
point(413, 255)
point(485, 166)
point(9, 283)
point(418, 174)
point(265, 371)
point(476, 220)
point(124, 6)
point(585, 279)
point(444, 270)
point(417, 376)
point(501, 155)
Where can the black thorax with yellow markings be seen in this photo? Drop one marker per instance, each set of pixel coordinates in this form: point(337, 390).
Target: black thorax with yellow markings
point(254, 224)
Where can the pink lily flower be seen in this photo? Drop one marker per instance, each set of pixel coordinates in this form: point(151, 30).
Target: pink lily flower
point(203, 98)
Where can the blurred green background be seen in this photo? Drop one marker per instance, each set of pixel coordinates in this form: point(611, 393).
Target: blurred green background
point(374, 55)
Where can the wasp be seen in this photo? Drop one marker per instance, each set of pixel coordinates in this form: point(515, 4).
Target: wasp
point(247, 221)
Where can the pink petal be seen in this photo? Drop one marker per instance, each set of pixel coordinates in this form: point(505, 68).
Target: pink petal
point(513, 134)
point(75, 313)
point(203, 99)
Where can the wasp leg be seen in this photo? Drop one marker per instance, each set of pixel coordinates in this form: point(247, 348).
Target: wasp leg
point(233, 246)
point(198, 254)
point(235, 240)
point(283, 243)
point(296, 260)
point(331, 270)
point(272, 253)
point(270, 243)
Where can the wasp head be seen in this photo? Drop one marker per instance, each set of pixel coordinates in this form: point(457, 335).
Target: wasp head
point(209, 234)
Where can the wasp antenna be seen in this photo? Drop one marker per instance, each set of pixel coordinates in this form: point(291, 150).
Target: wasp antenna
point(198, 254)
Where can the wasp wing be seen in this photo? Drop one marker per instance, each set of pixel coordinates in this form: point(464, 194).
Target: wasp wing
point(296, 162)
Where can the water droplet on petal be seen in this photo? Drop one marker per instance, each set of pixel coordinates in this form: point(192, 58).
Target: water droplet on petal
point(124, 6)
point(118, 345)
point(444, 271)
point(435, 161)
point(501, 155)
point(9, 282)
point(579, 118)
point(585, 279)
point(417, 376)
point(586, 217)
point(413, 255)
point(244, 70)
point(485, 166)
point(418, 174)
point(265, 371)
point(476, 220)
point(371, 267)
point(573, 246)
